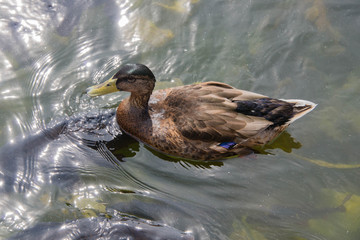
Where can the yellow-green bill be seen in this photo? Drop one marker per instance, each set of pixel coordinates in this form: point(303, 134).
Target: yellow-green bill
point(106, 87)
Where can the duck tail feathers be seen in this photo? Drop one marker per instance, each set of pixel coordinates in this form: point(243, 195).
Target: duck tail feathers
point(301, 108)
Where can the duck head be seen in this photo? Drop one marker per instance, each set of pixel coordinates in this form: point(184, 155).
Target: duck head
point(134, 78)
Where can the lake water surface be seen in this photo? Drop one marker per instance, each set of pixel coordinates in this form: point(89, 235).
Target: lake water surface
point(304, 185)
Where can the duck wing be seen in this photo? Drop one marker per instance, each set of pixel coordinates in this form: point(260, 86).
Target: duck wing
point(209, 112)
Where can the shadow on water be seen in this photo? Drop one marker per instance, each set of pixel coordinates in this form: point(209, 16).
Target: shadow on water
point(26, 168)
point(104, 228)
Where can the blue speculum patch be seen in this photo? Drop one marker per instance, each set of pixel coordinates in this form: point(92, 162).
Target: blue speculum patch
point(227, 145)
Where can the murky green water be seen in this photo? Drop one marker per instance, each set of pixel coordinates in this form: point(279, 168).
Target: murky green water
point(303, 186)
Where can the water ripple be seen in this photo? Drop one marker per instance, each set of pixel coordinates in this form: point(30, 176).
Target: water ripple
point(51, 51)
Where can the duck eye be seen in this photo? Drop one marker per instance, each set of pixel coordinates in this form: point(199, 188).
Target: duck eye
point(131, 80)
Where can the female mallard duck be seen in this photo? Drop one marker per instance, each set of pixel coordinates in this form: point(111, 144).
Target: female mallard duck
point(204, 121)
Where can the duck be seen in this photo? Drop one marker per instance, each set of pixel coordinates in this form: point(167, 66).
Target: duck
point(202, 121)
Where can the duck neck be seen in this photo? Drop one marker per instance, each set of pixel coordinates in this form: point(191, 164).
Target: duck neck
point(140, 101)
point(133, 116)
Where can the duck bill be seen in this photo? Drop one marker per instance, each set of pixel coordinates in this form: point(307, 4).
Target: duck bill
point(106, 87)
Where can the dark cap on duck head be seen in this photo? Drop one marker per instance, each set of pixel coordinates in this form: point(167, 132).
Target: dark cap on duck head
point(135, 70)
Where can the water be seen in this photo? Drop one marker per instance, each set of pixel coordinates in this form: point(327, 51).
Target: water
point(303, 186)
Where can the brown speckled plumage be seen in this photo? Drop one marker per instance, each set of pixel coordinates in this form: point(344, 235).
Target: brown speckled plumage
point(192, 121)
